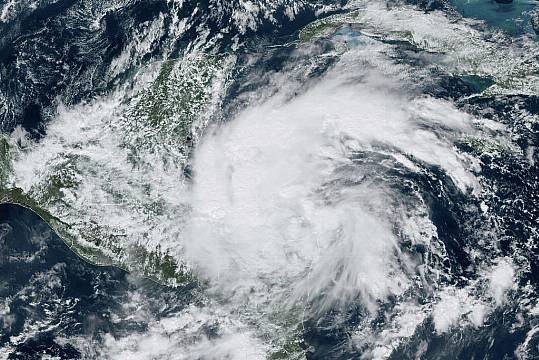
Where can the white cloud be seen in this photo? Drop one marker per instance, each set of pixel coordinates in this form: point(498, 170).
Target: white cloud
point(268, 208)
point(501, 278)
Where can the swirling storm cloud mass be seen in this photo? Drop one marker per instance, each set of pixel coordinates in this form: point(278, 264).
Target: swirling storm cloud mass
point(269, 179)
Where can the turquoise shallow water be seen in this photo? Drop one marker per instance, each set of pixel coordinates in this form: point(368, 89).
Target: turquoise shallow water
point(513, 18)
